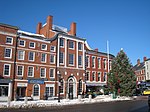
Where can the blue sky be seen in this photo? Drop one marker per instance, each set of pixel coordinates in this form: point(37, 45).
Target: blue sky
point(124, 23)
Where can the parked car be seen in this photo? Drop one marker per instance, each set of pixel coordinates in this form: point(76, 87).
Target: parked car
point(149, 100)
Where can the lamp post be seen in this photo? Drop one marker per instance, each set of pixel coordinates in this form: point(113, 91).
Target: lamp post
point(59, 84)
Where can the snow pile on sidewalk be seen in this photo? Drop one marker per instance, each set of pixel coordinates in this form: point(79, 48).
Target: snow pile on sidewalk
point(52, 103)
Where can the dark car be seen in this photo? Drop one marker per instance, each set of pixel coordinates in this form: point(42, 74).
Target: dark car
point(149, 100)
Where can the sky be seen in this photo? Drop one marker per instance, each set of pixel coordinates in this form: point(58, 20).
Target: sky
point(124, 23)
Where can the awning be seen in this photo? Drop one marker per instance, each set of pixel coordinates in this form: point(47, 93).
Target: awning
point(95, 84)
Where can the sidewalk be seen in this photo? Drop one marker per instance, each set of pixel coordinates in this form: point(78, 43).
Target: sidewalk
point(45, 103)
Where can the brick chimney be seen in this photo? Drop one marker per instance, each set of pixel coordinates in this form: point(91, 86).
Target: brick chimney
point(38, 28)
point(96, 49)
point(73, 29)
point(144, 58)
point(138, 61)
point(49, 22)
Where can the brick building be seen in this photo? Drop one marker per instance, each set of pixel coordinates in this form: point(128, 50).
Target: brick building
point(52, 60)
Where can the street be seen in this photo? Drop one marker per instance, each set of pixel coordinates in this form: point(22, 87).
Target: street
point(120, 106)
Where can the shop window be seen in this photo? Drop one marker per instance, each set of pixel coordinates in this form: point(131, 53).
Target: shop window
point(3, 90)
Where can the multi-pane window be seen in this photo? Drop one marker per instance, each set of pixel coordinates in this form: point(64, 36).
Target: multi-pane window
point(52, 48)
point(87, 61)
point(93, 62)
point(79, 46)
point(36, 90)
point(104, 63)
point(9, 40)
point(110, 63)
point(32, 45)
point(43, 57)
point(50, 91)
point(30, 71)
point(93, 76)
point(87, 76)
point(8, 52)
point(80, 60)
point(44, 47)
point(31, 56)
point(99, 63)
point(43, 72)
point(20, 70)
point(105, 76)
point(71, 44)
point(22, 43)
point(61, 57)
point(20, 55)
point(51, 73)
point(52, 59)
point(61, 42)
point(7, 69)
point(61, 86)
point(71, 59)
point(99, 76)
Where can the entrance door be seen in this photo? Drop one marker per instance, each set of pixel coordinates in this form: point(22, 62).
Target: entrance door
point(71, 89)
point(21, 91)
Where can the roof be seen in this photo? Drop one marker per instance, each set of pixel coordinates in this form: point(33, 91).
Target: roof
point(9, 26)
point(139, 66)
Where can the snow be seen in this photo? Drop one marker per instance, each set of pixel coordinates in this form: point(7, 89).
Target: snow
point(45, 103)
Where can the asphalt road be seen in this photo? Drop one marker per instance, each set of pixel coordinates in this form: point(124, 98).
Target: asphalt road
point(121, 106)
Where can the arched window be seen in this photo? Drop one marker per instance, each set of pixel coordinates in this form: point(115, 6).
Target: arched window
point(36, 90)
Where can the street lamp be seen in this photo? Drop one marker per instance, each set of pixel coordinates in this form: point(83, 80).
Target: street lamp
point(59, 85)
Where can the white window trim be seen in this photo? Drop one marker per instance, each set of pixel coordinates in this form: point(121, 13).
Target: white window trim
point(54, 59)
point(11, 40)
point(45, 58)
point(63, 43)
point(88, 75)
point(73, 61)
point(94, 76)
point(23, 54)
point(63, 59)
point(81, 46)
point(94, 61)
point(99, 63)
point(81, 61)
point(24, 43)
point(51, 85)
point(32, 73)
point(10, 53)
point(105, 61)
point(98, 76)
point(45, 47)
point(33, 89)
point(30, 46)
point(9, 69)
point(88, 61)
point(45, 72)
point(73, 45)
point(54, 49)
point(22, 71)
point(53, 73)
point(33, 56)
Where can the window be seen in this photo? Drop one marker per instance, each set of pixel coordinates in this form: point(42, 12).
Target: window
point(9, 40)
point(93, 62)
point(51, 74)
point(52, 59)
point(20, 55)
point(105, 76)
point(43, 72)
point(22, 43)
point(30, 71)
point(93, 76)
point(61, 86)
point(50, 91)
point(110, 67)
point(61, 57)
point(80, 86)
point(71, 44)
point(20, 70)
point(87, 61)
point(99, 76)
point(4, 90)
point(79, 46)
point(32, 45)
point(36, 90)
point(87, 76)
point(44, 47)
point(43, 58)
point(80, 60)
point(104, 63)
point(7, 69)
point(31, 56)
point(71, 59)
point(52, 48)
point(99, 63)
point(61, 42)
point(8, 52)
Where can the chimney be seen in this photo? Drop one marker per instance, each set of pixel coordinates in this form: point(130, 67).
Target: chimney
point(73, 29)
point(38, 28)
point(138, 61)
point(144, 59)
point(49, 22)
point(96, 49)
